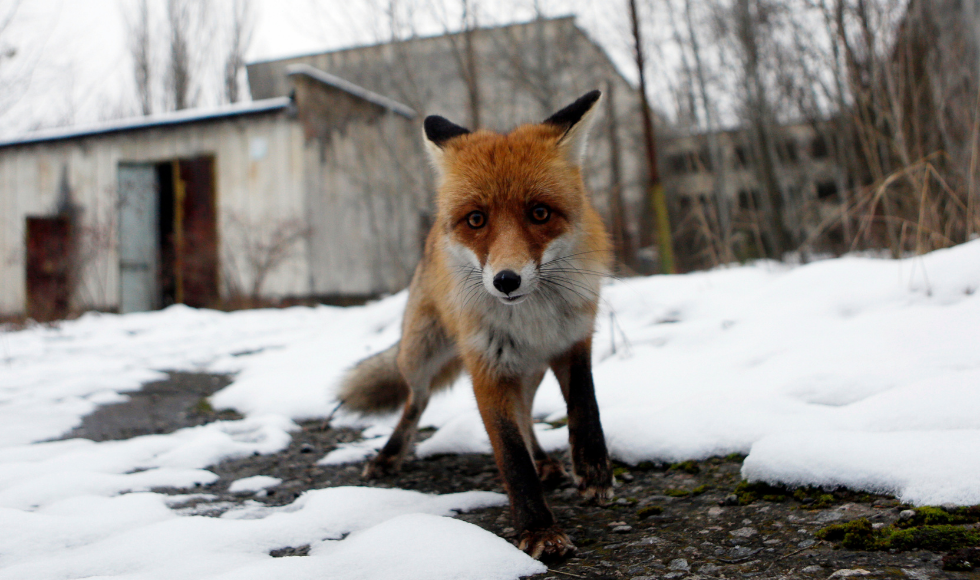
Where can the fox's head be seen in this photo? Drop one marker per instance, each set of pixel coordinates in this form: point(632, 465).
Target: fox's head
point(514, 209)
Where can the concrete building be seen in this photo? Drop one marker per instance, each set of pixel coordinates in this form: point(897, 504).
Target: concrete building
point(198, 206)
point(317, 188)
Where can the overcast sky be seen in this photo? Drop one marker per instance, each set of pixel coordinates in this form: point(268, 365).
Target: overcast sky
point(72, 66)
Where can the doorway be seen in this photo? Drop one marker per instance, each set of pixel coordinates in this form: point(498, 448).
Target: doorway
point(168, 247)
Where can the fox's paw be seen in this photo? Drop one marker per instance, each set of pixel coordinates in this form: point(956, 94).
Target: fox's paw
point(551, 472)
point(595, 482)
point(548, 545)
point(381, 466)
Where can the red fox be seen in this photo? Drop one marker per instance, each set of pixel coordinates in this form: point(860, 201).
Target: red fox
point(508, 287)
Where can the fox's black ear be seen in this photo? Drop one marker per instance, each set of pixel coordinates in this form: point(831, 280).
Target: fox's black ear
point(438, 130)
point(575, 120)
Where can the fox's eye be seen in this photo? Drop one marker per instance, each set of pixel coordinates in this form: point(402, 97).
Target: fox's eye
point(476, 219)
point(540, 214)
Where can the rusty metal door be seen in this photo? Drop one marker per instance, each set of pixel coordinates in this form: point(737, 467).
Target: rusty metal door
point(197, 224)
point(48, 267)
point(139, 237)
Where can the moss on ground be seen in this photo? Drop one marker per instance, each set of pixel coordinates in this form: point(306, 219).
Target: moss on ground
point(687, 467)
point(678, 492)
point(937, 537)
point(650, 510)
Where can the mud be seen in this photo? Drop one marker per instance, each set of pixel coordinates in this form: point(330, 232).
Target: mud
point(682, 521)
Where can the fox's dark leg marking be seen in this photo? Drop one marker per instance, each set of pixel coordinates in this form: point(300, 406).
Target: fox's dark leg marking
point(392, 455)
point(501, 403)
point(590, 459)
point(551, 472)
point(425, 358)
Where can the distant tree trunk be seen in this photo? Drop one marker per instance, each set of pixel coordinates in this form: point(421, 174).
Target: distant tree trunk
point(762, 127)
point(179, 65)
point(656, 200)
point(241, 36)
point(471, 73)
point(621, 236)
point(139, 47)
point(722, 202)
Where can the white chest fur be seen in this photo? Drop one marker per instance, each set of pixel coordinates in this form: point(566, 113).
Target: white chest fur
point(524, 336)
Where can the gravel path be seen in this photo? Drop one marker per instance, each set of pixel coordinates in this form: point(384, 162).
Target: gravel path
point(685, 521)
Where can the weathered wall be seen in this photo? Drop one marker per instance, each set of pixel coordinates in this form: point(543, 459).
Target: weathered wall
point(367, 195)
point(258, 183)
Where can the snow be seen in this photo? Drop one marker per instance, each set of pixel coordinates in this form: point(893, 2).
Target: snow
point(254, 483)
point(854, 371)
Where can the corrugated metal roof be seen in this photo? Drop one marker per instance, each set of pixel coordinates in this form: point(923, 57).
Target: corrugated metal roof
point(349, 87)
point(163, 120)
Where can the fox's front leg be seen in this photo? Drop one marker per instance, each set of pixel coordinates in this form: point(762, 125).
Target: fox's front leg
point(590, 459)
point(500, 401)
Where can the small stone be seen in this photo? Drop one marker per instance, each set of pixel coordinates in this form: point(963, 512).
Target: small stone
point(812, 569)
point(672, 575)
point(745, 532)
point(828, 516)
point(906, 514)
point(622, 501)
point(614, 524)
point(915, 574)
point(739, 552)
point(626, 477)
point(307, 448)
point(606, 564)
point(877, 525)
point(850, 573)
point(709, 569)
point(643, 578)
point(678, 564)
point(714, 512)
point(508, 532)
point(622, 529)
point(730, 499)
point(806, 544)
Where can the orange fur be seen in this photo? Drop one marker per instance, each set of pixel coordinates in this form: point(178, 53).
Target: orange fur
point(459, 315)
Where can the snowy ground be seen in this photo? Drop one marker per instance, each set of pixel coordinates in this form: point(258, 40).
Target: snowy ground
point(854, 371)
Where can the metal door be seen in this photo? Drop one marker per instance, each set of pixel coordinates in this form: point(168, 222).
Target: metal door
point(49, 272)
point(139, 237)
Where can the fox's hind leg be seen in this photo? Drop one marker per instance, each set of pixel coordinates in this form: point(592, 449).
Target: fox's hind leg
point(550, 470)
point(590, 459)
point(428, 361)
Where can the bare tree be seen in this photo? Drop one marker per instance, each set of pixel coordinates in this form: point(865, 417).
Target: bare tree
point(179, 57)
point(464, 54)
point(655, 191)
point(240, 38)
point(140, 49)
point(263, 251)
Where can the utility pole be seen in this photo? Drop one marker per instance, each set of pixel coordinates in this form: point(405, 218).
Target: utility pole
point(656, 200)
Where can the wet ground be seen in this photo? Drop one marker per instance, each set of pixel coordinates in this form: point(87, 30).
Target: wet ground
point(686, 521)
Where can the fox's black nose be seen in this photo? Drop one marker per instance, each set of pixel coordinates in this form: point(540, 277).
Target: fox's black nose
point(507, 281)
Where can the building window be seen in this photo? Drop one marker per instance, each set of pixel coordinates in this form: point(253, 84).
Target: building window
point(748, 199)
point(818, 148)
point(826, 191)
point(677, 164)
point(788, 152)
point(742, 157)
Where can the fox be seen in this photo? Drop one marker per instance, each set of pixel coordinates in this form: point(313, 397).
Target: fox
point(507, 287)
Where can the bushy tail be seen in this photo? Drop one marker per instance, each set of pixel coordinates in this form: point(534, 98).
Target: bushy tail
point(375, 385)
